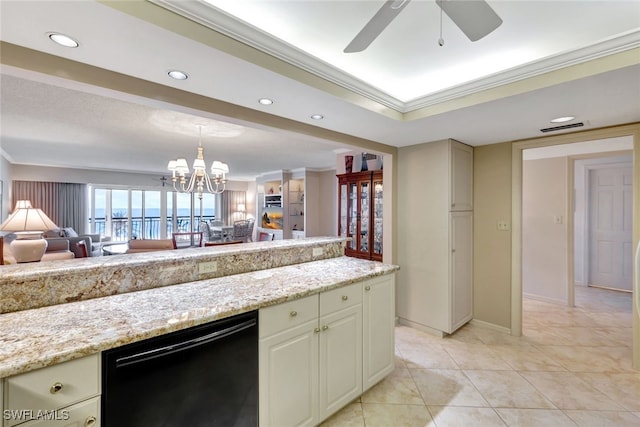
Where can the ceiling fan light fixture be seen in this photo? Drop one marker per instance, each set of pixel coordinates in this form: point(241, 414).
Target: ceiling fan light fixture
point(178, 75)
point(265, 101)
point(562, 119)
point(63, 40)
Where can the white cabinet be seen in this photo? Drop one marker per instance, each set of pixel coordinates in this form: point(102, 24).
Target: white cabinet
point(50, 393)
point(340, 363)
point(319, 353)
point(288, 363)
point(435, 281)
point(379, 312)
point(461, 271)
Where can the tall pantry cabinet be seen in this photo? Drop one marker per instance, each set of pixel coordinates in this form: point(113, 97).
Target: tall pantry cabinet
point(435, 228)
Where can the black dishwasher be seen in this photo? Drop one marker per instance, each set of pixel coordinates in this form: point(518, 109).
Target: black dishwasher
point(203, 376)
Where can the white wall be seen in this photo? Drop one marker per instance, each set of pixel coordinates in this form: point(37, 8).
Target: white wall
point(5, 190)
point(328, 204)
point(544, 240)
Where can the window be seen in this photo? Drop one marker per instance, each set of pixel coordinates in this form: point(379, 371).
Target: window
point(127, 214)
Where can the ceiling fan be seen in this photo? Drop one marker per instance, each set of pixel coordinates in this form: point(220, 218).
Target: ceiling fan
point(475, 18)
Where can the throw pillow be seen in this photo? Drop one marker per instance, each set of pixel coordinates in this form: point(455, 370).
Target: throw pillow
point(69, 232)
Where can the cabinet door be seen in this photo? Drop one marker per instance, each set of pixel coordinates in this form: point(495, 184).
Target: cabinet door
point(376, 238)
point(340, 364)
point(461, 177)
point(288, 376)
point(378, 329)
point(461, 286)
point(353, 215)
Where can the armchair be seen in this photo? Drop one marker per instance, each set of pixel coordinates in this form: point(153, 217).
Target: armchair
point(93, 242)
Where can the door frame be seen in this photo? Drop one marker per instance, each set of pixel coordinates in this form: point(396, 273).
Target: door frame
point(632, 130)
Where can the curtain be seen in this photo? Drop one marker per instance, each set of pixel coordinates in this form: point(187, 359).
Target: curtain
point(231, 201)
point(64, 203)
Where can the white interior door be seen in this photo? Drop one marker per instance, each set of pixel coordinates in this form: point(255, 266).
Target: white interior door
point(610, 227)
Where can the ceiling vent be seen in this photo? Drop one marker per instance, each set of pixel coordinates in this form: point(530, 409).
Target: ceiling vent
point(562, 127)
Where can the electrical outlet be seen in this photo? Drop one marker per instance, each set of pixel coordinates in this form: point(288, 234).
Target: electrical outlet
point(207, 267)
point(317, 251)
point(503, 225)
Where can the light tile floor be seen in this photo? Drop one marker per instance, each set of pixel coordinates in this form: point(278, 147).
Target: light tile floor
point(572, 366)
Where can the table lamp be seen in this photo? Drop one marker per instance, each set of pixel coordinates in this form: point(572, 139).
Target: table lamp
point(28, 224)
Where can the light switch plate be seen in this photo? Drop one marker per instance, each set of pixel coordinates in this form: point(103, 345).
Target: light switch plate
point(503, 225)
point(207, 267)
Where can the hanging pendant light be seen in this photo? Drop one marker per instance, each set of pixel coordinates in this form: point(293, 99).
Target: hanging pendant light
point(200, 181)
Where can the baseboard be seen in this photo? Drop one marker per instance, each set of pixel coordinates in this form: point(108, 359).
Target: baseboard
point(492, 326)
point(545, 299)
point(420, 327)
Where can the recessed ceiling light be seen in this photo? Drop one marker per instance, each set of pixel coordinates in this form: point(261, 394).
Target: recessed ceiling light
point(317, 117)
point(265, 101)
point(562, 119)
point(63, 40)
point(178, 75)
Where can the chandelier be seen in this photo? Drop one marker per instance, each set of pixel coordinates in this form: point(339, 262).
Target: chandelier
point(200, 181)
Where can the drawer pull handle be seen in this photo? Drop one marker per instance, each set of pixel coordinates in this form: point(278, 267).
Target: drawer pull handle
point(344, 297)
point(367, 288)
point(90, 421)
point(293, 313)
point(325, 327)
point(56, 387)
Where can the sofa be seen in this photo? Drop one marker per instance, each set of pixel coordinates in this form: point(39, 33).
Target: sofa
point(93, 242)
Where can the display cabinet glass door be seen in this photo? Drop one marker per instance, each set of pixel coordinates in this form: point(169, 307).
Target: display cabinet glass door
point(364, 236)
point(377, 219)
point(360, 213)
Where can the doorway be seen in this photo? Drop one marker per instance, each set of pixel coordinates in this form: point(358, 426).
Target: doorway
point(629, 131)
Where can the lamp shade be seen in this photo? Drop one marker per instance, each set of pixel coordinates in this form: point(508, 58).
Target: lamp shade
point(27, 218)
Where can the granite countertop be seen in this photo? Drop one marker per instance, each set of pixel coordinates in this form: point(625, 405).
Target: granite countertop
point(36, 338)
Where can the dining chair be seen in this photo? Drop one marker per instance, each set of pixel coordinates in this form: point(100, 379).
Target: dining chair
point(240, 230)
point(187, 240)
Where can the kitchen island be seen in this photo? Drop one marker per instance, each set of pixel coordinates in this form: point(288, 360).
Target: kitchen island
point(48, 335)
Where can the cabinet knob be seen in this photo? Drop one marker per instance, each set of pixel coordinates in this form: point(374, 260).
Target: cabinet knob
point(367, 288)
point(90, 421)
point(293, 313)
point(325, 327)
point(344, 297)
point(316, 330)
point(56, 387)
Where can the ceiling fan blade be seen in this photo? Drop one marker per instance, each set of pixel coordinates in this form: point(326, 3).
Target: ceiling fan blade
point(376, 25)
point(475, 18)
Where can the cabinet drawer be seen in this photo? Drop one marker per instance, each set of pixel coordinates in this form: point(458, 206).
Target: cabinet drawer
point(83, 414)
point(287, 315)
point(53, 387)
point(340, 298)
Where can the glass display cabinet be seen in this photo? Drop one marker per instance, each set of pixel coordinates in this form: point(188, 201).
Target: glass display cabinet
point(360, 213)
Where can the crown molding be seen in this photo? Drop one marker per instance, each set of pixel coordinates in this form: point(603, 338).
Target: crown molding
point(230, 26)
